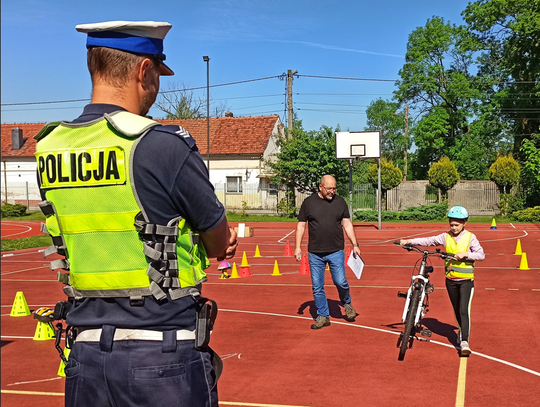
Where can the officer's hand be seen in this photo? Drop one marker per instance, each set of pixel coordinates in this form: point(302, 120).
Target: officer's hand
point(231, 249)
point(298, 254)
point(356, 252)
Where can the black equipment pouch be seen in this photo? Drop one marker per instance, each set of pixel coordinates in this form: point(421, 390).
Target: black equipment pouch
point(206, 315)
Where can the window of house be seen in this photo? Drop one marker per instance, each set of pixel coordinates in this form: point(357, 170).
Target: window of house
point(234, 185)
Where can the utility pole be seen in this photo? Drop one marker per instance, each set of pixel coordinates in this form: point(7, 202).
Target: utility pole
point(290, 74)
point(406, 140)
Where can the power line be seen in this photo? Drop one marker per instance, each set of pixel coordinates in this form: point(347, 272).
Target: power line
point(348, 79)
point(162, 92)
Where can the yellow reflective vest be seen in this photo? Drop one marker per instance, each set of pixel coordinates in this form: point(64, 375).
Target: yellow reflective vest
point(459, 269)
point(94, 215)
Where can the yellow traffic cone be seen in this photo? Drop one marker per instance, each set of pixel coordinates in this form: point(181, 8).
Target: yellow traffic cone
point(61, 371)
point(44, 332)
point(234, 273)
point(523, 265)
point(244, 261)
point(327, 267)
point(20, 306)
point(257, 252)
point(518, 248)
point(493, 224)
point(276, 270)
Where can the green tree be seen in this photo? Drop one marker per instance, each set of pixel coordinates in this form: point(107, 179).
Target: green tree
point(391, 177)
point(508, 33)
point(305, 156)
point(443, 175)
point(531, 169)
point(505, 173)
point(438, 82)
point(382, 116)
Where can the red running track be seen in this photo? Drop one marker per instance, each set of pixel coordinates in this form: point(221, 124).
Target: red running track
point(273, 358)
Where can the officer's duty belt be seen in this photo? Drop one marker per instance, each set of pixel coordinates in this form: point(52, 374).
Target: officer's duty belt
point(94, 335)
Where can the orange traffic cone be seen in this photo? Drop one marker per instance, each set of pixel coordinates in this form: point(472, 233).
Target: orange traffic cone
point(347, 254)
point(234, 272)
point(288, 251)
point(245, 272)
point(523, 265)
point(276, 270)
point(304, 264)
point(518, 248)
point(20, 306)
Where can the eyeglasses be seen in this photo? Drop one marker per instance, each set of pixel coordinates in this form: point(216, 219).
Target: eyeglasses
point(328, 189)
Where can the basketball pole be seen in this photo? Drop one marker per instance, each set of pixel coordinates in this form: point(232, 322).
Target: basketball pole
point(350, 189)
point(380, 194)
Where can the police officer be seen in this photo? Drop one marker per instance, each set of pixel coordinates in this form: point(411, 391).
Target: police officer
point(129, 204)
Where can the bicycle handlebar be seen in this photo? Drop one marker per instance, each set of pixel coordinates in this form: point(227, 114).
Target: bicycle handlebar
point(437, 252)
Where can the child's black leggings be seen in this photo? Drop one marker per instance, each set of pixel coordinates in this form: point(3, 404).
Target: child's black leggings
point(461, 294)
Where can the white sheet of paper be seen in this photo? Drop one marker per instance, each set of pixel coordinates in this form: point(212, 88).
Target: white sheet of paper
point(241, 230)
point(356, 265)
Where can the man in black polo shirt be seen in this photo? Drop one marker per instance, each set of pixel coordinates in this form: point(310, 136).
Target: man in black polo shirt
point(327, 216)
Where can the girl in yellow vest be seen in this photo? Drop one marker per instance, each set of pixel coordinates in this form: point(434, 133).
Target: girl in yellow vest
point(460, 272)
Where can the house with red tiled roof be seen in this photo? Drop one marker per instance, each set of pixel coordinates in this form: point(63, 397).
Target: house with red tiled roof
point(239, 150)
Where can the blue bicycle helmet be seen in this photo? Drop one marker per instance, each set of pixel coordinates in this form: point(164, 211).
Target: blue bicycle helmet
point(458, 212)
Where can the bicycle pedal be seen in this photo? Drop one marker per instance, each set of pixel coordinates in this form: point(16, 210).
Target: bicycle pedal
point(424, 339)
point(426, 332)
point(401, 294)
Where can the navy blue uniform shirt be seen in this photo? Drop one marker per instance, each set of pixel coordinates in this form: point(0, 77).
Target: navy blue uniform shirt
point(171, 180)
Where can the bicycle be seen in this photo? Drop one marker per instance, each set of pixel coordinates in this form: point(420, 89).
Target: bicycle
point(417, 301)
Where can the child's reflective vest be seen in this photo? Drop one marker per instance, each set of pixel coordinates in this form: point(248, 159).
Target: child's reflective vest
point(97, 222)
point(455, 268)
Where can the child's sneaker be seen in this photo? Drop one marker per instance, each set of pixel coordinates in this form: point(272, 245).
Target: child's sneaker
point(465, 350)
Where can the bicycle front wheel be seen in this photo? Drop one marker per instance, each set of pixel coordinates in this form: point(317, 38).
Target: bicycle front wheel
point(409, 323)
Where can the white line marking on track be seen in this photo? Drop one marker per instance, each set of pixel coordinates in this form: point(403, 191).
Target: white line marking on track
point(507, 238)
point(20, 271)
point(28, 229)
point(511, 224)
point(35, 381)
point(388, 332)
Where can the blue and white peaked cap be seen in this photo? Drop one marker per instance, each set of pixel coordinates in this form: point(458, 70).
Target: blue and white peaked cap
point(138, 37)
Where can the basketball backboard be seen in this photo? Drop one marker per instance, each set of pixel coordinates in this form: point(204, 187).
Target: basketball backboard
point(358, 144)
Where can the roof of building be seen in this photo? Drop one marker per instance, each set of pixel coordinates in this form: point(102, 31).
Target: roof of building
point(228, 135)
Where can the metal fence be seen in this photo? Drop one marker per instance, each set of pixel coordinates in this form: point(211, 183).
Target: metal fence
point(24, 193)
point(479, 197)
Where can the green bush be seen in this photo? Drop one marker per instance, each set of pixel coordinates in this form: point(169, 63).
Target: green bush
point(11, 211)
point(423, 212)
point(527, 215)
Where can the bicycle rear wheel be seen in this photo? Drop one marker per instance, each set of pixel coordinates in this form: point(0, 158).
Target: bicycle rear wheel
point(409, 323)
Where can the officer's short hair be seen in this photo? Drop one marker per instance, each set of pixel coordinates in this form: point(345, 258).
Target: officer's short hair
point(113, 66)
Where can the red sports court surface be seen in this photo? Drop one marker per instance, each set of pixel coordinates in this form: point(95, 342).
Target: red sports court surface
point(272, 357)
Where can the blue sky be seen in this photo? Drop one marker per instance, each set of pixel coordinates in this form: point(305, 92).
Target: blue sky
point(43, 57)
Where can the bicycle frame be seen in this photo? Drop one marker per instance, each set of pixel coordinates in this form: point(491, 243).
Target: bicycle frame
point(416, 303)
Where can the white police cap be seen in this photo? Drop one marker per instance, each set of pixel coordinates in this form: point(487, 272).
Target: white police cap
point(139, 37)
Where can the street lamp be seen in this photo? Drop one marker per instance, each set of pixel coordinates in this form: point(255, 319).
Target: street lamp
point(406, 117)
point(207, 60)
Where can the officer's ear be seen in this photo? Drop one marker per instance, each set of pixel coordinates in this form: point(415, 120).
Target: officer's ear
point(144, 72)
